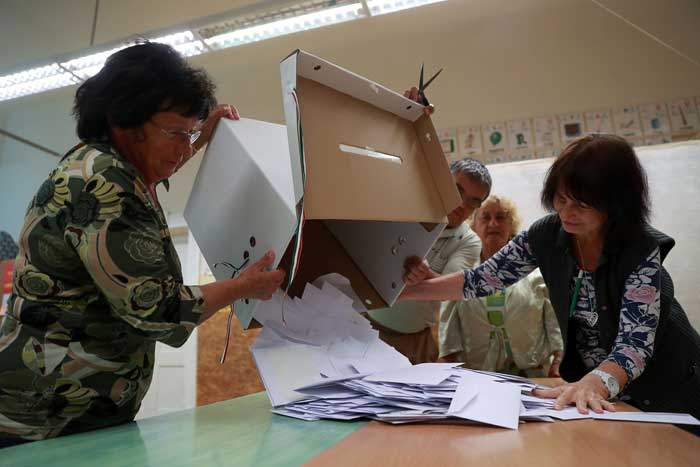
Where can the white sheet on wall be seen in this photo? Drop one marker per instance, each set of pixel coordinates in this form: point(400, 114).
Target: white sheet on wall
point(655, 123)
point(599, 121)
point(673, 171)
point(495, 142)
point(469, 140)
point(684, 116)
point(571, 126)
point(628, 124)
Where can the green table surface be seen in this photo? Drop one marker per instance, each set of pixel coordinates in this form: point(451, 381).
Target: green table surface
point(239, 431)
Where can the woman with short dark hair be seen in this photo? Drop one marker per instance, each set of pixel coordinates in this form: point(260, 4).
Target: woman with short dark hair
point(624, 332)
point(97, 280)
point(604, 173)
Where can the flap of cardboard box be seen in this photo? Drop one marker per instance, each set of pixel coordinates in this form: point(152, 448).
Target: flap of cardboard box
point(370, 153)
point(242, 202)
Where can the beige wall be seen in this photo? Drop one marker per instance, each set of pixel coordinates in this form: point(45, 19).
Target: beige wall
point(502, 59)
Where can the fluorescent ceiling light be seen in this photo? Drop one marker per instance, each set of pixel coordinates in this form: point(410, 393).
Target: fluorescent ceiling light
point(29, 75)
point(89, 65)
point(184, 42)
point(236, 31)
point(33, 81)
point(382, 7)
point(282, 27)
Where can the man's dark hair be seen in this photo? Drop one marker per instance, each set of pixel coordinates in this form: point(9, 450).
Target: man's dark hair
point(475, 170)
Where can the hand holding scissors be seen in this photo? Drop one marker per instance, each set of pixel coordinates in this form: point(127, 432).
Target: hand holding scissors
point(418, 94)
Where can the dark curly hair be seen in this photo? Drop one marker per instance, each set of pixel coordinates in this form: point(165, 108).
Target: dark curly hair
point(603, 172)
point(136, 83)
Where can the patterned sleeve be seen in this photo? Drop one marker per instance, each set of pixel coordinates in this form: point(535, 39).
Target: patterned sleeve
point(513, 262)
point(119, 241)
point(639, 317)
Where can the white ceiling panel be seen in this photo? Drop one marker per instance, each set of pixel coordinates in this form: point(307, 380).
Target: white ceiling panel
point(118, 19)
point(33, 30)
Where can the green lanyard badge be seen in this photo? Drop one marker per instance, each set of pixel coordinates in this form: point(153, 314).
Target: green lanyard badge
point(495, 305)
point(577, 289)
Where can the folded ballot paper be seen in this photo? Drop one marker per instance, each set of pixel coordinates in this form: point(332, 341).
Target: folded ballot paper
point(319, 358)
point(316, 337)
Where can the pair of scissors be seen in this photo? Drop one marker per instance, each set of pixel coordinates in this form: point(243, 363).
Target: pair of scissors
point(422, 86)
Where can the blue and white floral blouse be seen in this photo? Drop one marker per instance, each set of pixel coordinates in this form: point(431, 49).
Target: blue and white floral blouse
point(639, 311)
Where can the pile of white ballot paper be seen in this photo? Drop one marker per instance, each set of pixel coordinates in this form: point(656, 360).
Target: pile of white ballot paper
point(319, 358)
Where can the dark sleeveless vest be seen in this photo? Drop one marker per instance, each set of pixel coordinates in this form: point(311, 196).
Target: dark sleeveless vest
point(671, 379)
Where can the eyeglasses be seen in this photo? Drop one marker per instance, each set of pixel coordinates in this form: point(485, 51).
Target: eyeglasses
point(190, 136)
point(487, 217)
point(470, 201)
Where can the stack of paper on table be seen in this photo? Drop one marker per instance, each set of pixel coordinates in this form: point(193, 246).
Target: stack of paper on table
point(319, 358)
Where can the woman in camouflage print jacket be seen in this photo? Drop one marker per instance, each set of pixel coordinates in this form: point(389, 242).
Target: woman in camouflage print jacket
point(97, 280)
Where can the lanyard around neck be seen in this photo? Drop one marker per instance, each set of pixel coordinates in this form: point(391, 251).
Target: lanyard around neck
point(577, 289)
point(495, 307)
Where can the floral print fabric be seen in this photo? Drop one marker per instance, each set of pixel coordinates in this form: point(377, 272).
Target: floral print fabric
point(639, 310)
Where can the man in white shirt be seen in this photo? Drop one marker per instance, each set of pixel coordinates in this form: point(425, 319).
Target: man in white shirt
point(407, 326)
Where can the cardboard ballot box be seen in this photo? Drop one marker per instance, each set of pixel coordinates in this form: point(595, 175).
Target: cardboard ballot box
point(367, 185)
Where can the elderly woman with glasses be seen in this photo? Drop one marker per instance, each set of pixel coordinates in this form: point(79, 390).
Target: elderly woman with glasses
point(97, 280)
point(513, 330)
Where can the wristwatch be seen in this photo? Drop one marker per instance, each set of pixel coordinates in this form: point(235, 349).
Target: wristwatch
point(610, 382)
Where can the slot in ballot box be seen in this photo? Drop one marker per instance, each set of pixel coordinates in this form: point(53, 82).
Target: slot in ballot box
point(361, 175)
